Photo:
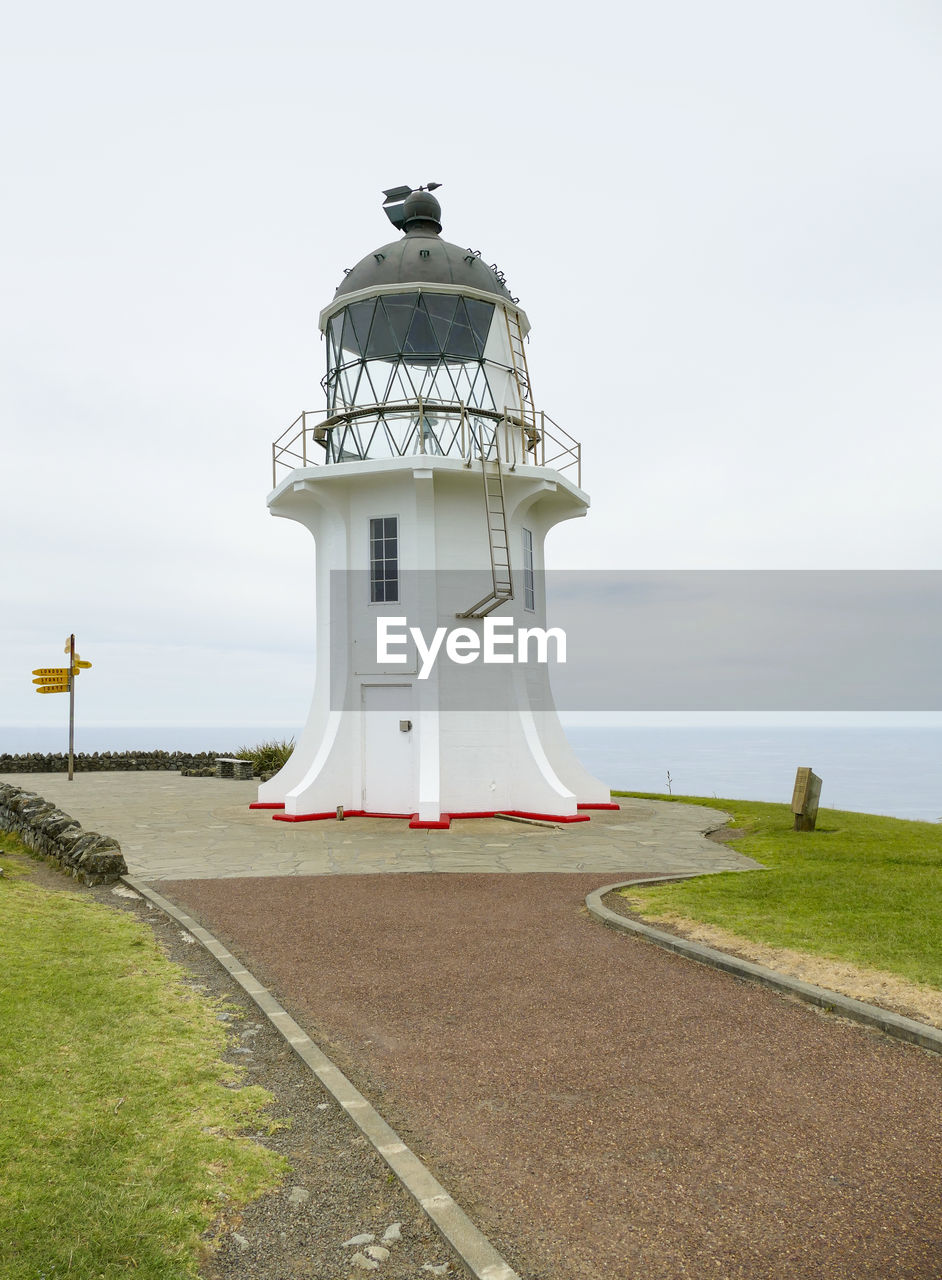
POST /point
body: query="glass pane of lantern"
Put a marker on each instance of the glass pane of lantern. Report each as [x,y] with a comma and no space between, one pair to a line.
[348,339]
[382,341]
[373,383]
[338,389]
[354,380]
[461,341]
[361,314]
[334,328]
[441,311]
[399,309]
[480,315]
[421,340]
[401,386]
[480,393]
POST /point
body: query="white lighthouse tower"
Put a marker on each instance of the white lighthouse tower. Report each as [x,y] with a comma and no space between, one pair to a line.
[429,484]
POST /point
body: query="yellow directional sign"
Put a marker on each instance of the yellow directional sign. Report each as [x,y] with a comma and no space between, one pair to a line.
[63,679]
[53,688]
[52,671]
[80,663]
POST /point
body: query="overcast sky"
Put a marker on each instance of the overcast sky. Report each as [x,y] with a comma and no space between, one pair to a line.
[722,220]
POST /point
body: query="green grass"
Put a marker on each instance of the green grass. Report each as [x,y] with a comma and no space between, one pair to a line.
[861,888]
[119,1123]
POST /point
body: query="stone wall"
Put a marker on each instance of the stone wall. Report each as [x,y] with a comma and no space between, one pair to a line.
[85,855]
[58,762]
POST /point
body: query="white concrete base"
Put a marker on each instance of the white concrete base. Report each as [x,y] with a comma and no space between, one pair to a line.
[470,738]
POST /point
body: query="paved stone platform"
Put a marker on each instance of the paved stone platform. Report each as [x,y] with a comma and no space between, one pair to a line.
[175,828]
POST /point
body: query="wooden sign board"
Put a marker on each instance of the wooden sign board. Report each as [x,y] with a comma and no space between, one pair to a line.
[805,799]
[53,688]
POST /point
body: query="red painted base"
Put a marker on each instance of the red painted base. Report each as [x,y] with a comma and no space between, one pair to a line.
[322,817]
[443,823]
[302,817]
[319,817]
[547,817]
[261,804]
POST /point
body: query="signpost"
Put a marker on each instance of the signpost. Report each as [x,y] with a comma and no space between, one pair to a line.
[62,680]
[70,650]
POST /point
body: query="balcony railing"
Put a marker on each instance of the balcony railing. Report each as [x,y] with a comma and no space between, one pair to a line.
[408,428]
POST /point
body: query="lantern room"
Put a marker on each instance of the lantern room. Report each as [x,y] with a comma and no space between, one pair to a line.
[421,323]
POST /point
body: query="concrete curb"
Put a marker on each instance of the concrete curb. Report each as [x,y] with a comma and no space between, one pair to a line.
[892,1024]
[472,1246]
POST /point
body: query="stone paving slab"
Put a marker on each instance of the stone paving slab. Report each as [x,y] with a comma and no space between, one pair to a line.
[174,828]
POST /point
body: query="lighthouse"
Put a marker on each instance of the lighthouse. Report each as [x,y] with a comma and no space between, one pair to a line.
[429,482]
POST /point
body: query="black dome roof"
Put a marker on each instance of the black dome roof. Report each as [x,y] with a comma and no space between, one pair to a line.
[422,257]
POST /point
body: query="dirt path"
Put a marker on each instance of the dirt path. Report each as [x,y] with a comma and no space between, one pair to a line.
[602,1108]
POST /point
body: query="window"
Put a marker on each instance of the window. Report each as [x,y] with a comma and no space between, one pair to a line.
[404,345]
[529,597]
[384,559]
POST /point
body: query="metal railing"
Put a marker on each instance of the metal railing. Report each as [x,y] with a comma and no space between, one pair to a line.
[409,427]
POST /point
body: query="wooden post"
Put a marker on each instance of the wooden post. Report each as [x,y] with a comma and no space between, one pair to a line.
[805,799]
[71,702]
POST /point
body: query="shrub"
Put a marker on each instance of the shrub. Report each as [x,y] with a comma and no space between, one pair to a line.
[267,757]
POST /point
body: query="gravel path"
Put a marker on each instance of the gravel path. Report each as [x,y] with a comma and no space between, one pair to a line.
[601,1108]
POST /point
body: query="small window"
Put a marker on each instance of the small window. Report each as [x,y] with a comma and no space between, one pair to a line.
[384,559]
[529,598]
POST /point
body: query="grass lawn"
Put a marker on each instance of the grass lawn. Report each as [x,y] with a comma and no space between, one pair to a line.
[119,1123]
[861,888]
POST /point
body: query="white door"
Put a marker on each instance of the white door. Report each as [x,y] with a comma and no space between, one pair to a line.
[388,752]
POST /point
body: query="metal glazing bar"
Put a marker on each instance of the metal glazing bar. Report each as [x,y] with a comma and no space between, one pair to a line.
[473,434]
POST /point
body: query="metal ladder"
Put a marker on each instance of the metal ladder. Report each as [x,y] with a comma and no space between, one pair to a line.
[518,360]
[497,539]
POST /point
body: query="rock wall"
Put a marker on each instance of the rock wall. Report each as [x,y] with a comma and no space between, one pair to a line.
[58,762]
[85,855]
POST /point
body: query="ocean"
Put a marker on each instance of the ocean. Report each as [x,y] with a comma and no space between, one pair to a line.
[894,771]
[889,770]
